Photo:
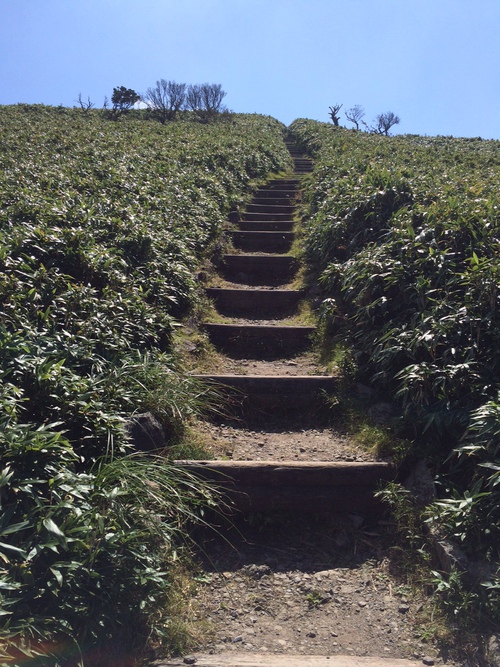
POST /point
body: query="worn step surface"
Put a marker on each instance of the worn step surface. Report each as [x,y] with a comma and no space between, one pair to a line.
[266,197]
[282,184]
[272,392]
[252,341]
[234,659]
[261,216]
[262,241]
[270,207]
[259,269]
[255,303]
[266,226]
[271,486]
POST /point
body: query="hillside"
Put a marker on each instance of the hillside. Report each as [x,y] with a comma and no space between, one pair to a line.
[104,227]
[109,228]
[402,236]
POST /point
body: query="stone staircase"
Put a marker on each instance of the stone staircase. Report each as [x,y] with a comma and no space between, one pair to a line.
[259,290]
[259,274]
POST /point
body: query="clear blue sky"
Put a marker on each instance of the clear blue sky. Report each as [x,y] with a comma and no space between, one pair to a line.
[436,63]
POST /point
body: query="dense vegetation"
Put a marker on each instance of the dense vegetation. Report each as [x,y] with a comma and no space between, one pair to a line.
[103,227]
[404,238]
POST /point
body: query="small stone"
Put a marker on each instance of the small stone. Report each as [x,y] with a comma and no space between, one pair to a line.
[237,639]
[428,661]
[312,635]
[189,660]
[362,603]
[403,608]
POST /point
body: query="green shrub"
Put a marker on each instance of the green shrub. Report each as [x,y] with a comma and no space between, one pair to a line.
[403,238]
[103,227]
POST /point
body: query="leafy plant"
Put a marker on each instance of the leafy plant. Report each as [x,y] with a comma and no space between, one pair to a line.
[103,227]
[123,99]
[402,237]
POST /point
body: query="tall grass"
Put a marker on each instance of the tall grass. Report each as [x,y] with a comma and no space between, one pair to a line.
[403,238]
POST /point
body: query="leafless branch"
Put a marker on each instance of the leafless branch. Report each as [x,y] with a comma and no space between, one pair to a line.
[334,114]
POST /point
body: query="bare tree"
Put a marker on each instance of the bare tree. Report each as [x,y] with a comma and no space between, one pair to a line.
[212,95]
[334,114]
[165,99]
[205,100]
[355,115]
[194,97]
[85,105]
[384,122]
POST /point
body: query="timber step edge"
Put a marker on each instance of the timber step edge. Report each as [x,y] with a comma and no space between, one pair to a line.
[259,216]
[256,340]
[292,486]
[265,225]
[270,207]
[259,269]
[232,659]
[273,198]
[248,393]
[256,302]
[262,240]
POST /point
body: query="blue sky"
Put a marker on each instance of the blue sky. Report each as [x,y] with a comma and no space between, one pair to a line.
[435,63]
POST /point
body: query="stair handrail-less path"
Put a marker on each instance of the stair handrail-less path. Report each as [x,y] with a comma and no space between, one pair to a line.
[259,277]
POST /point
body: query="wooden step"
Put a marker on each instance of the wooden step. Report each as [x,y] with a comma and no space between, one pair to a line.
[267,226]
[293,486]
[233,659]
[262,216]
[262,241]
[246,394]
[257,303]
[282,184]
[260,269]
[270,207]
[254,341]
[283,198]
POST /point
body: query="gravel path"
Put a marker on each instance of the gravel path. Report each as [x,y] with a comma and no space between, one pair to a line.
[310,584]
[319,586]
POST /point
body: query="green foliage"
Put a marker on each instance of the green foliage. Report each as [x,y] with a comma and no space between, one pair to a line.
[86,555]
[123,99]
[403,238]
[103,227]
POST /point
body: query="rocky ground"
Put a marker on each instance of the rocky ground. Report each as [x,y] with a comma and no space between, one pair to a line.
[311,585]
[314,584]
[309,444]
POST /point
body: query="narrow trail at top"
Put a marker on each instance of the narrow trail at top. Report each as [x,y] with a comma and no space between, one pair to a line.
[310,582]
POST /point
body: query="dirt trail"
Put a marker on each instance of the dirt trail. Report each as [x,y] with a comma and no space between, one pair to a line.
[315,584]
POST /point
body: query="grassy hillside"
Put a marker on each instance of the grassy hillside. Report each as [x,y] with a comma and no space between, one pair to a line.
[103,228]
[403,236]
